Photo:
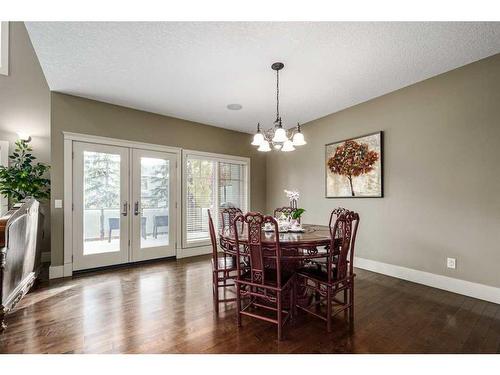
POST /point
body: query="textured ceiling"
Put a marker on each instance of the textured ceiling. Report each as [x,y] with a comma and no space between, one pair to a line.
[193,70]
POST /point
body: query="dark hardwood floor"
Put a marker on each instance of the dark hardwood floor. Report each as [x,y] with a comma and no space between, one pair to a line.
[166,307]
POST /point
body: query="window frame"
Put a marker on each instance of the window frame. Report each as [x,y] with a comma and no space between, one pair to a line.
[219,158]
[4,48]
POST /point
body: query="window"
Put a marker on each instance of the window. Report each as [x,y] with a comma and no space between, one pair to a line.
[4,48]
[211,182]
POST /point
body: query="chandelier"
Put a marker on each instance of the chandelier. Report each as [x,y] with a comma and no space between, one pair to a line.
[278,137]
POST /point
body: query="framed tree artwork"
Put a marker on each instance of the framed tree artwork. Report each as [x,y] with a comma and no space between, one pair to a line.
[354,167]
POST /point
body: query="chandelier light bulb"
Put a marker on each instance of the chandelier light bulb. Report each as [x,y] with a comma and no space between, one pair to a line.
[287,146]
[280,135]
[258,138]
[298,139]
[264,147]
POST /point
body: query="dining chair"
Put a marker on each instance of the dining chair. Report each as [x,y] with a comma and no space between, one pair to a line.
[284,210]
[335,215]
[227,216]
[223,269]
[261,286]
[321,262]
[336,275]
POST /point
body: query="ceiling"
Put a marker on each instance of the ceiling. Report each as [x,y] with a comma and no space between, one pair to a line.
[193,70]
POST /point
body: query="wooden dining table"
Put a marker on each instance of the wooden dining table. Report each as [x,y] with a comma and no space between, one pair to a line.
[312,243]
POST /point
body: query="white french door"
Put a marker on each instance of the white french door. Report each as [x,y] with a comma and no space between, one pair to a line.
[124,205]
[101,208]
[153,196]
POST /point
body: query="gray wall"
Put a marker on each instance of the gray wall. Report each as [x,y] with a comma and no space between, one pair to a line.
[442,174]
[25,102]
[75,114]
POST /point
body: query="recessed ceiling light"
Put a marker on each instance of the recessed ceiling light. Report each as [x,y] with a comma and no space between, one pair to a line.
[234,107]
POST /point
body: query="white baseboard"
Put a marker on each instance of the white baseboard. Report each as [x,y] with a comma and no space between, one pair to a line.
[193,251]
[46,256]
[467,288]
[68,269]
[56,272]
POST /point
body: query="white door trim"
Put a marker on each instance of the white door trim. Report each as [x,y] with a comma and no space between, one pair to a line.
[4,161]
[69,137]
[4,45]
[119,142]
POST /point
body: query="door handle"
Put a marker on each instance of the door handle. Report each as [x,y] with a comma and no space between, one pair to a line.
[124,212]
[136,208]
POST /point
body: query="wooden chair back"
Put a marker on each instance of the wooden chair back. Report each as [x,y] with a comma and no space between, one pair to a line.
[335,214]
[252,223]
[213,238]
[343,237]
[227,216]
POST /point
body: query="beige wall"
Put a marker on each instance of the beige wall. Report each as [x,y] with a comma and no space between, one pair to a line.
[25,102]
[74,114]
[442,174]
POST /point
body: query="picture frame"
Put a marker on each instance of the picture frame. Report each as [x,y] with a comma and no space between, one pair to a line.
[362,179]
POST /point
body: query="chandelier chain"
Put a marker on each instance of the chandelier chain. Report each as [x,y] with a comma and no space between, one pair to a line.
[277,95]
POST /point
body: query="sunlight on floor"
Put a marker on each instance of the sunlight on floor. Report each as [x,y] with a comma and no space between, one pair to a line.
[106,246]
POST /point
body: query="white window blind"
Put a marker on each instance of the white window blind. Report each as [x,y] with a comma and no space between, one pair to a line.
[211,183]
[200,197]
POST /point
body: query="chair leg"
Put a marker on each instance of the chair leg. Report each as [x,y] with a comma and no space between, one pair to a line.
[216,292]
[329,309]
[317,298]
[280,317]
[346,302]
[351,302]
[238,304]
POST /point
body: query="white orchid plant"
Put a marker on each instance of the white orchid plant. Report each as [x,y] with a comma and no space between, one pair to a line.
[293,197]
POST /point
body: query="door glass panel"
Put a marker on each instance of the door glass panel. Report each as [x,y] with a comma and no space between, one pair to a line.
[101,202]
[155,184]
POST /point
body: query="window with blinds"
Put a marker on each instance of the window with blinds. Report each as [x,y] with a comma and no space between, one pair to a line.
[211,183]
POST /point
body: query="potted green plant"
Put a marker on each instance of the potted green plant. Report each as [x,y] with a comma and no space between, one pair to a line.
[23,177]
[297,213]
